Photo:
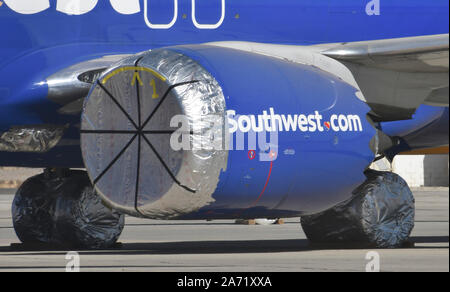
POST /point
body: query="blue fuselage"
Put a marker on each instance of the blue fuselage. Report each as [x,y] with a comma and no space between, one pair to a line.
[35,46]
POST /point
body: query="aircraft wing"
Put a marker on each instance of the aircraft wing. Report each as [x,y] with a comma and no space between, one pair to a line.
[395,76]
[398,75]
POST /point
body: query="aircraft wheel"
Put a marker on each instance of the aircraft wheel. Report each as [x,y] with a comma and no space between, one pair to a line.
[381,214]
[62,208]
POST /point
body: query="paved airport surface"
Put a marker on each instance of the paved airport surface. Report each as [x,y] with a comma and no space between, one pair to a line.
[182,246]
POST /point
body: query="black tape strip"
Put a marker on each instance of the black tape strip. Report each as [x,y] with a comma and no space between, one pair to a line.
[163,99]
[118,104]
[115,160]
[108,132]
[166,167]
[140,134]
[138,171]
[151,132]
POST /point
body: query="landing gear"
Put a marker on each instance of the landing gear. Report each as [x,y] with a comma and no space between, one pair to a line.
[61,208]
[381,214]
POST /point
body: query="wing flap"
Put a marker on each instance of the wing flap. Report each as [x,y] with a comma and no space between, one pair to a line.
[420,53]
[397,76]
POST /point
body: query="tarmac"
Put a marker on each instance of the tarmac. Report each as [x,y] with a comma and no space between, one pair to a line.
[222,246]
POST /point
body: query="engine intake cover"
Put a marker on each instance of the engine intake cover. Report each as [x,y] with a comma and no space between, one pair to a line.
[126,135]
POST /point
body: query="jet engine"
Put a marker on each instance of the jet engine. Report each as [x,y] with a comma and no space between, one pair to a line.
[196,132]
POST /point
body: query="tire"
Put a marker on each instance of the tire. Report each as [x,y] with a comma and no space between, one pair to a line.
[64,210]
[381,214]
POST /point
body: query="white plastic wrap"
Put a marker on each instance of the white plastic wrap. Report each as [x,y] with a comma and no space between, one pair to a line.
[31,139]
[128,122]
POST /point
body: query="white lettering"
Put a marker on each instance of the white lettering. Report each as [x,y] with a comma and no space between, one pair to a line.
[373,8]
[75,7]
[276,120]
[266,119]
[312,123]
[257,126]
[290,123]
[233,124]
[74,262]
[354,123]
[333,123]
[27,6]
[126,6]
[180,139]
[211,132]
[374,262]
[319,121]
[343,123]
[303,123]
[245,124]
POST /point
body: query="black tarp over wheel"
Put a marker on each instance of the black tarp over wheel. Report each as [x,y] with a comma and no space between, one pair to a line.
[381,214]
[62,208]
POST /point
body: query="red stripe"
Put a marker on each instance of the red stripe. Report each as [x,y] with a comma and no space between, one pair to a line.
[265,186]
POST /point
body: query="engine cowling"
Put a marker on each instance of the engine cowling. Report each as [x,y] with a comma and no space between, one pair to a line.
[208,132]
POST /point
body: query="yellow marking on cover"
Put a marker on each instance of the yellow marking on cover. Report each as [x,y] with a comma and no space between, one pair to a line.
[137,77]
[131,68]
[155,94]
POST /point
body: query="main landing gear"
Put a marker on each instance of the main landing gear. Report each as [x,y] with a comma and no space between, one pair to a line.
[381,214]
[60,207]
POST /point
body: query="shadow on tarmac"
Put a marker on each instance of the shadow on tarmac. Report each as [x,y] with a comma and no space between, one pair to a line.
[210,247]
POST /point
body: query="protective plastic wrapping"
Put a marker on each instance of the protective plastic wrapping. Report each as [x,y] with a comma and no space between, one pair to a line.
[132,118]
[31,139]
[381,214]
[63,209]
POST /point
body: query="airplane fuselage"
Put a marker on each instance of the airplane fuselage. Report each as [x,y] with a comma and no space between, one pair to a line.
[40,38]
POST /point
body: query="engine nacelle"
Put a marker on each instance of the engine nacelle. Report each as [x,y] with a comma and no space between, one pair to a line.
[200,132]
